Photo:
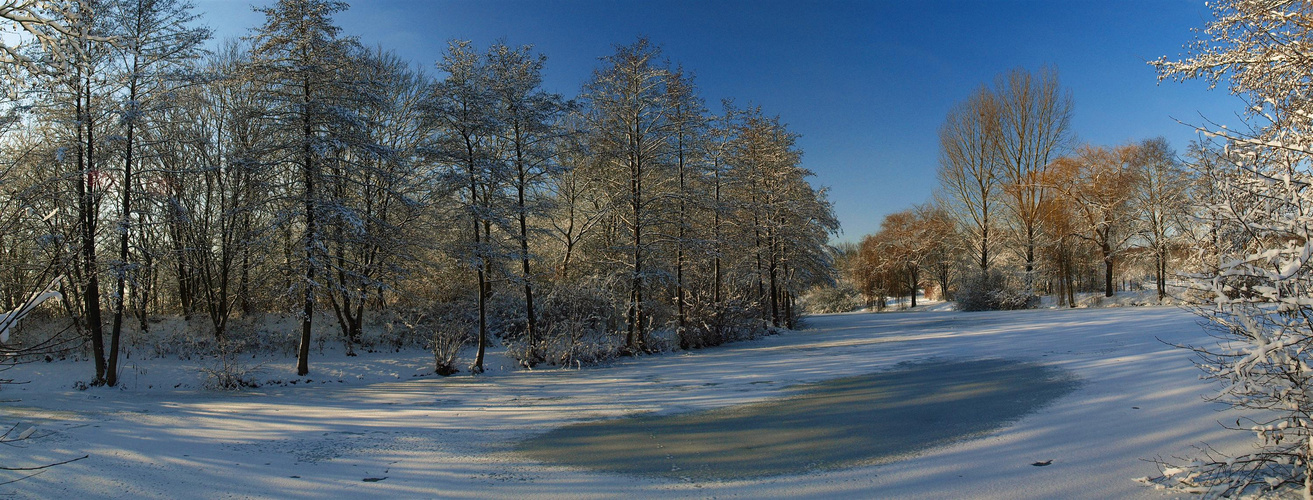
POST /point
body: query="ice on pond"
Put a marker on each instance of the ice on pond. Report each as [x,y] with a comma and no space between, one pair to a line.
[873,418]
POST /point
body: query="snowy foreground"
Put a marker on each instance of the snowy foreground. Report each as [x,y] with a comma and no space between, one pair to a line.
[390,433]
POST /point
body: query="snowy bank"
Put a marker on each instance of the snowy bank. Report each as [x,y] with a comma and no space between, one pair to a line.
[455,437]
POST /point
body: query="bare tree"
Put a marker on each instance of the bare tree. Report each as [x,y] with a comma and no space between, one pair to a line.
[782,220]
[630,121]
[376,190]
[1062,225]
[970,173]
[1101,183]
[577,203]
[527,119]
[74,68]
[688,123]
[940,243]
[902,250]
[161,40]
[304,59]
[461,108]
[208,171]
[1161,201]
[1034,118]
[720,140]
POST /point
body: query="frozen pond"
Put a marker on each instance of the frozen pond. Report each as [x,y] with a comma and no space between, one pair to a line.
[844,422]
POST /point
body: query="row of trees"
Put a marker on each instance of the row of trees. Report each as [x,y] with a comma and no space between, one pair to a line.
[296,170]
[1021,212]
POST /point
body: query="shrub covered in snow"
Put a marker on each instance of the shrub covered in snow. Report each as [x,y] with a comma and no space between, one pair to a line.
[737,320]
[991,291]
[577,326]
[842,297]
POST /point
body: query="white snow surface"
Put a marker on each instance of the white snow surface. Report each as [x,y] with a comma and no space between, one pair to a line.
[427,436]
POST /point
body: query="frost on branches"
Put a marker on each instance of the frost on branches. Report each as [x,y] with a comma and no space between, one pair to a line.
[1258,211]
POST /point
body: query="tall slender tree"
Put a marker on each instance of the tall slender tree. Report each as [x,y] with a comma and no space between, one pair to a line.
[378,191]
[73,62]
[688,133]
[528,120]
[160,39]
[304,59]
[629,116]
[461,110]
[1034,120]
[1161,203]
[969,169]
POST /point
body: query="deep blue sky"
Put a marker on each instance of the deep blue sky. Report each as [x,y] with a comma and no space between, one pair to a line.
[866,83]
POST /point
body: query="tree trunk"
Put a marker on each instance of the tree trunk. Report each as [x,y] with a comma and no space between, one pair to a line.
[984,243]
[715,292]
[479,264]
[761,283]
[311,236]
[87,214]
[144,289]
[1162,275]
[125,208]
[916,278]
[1107,274]
[774,287]
[788,310]
[636,341]
[530,315]
[1030,260]
[679,252]
[1070,273]
[531,321]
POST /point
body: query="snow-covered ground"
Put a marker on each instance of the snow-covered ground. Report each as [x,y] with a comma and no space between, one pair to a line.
[381,425]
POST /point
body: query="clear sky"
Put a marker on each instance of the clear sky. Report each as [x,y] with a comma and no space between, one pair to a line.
[866,83]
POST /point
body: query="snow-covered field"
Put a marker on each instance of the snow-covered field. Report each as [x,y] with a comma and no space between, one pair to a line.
[369,426]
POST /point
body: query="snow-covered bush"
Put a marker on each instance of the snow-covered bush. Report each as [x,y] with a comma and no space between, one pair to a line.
[396,331]
[736,320]
[842,297]
[1256,203]
[182,338]
[991,291]
[576,325]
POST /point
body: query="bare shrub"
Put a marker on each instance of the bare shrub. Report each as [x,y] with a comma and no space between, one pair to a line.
[447,328]
[397,329]
[228,373]
[449,338]
[736,319]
